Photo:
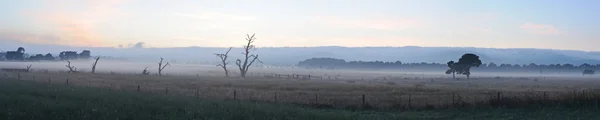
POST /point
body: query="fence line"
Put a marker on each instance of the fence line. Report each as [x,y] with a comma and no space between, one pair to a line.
[407,101]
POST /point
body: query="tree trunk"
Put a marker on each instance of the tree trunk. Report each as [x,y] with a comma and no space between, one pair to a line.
[226,72]
[94,67]
[454,75]
[243,74]
[468,76]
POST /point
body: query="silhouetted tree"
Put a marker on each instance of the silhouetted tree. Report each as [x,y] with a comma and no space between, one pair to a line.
[326,62]
[585,66]
[37,57]
[85,54]
[452,69]
[28,68]
[72,69]
[249,59]
[145,71]
[589,72]
[94,66]
[161,67]
[492,65]
[68,55]
[49,57]
[224,61]
[464,64]
[18,55]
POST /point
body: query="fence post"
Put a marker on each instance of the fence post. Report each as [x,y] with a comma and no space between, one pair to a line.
[583,95]
[498,97]
[545,96]
[67,81]
[138,88]
[275,96]
[49,79]
[234,95]
[363,101]
[453,99]
[410,101]
[316,99]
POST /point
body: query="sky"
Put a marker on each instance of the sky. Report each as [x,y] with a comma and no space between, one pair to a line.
[548,24]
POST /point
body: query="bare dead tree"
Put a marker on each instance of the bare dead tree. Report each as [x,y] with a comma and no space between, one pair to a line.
[161,67]
[249,58]
[28,68]
[72,69]
[145,72]
[224,61]
[95,63]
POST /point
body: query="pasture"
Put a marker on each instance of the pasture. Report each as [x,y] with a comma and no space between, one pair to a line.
[23,100]
[348,89]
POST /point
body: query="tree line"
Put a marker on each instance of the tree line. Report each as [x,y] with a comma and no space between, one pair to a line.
[335,63]
[20,55]
[243,64]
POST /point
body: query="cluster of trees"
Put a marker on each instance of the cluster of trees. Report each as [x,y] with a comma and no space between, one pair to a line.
[72,55]
[20,55]
[242,64]
[334,63]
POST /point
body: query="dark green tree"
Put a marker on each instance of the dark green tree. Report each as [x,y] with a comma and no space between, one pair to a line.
[464,64]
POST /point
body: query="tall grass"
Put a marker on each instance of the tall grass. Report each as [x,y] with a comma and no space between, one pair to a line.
[28,100]
[321,94]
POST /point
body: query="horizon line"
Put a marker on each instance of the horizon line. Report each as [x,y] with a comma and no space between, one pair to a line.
[116,47]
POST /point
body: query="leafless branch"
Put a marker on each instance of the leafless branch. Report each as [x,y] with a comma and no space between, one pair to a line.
[224,61]
[72,69]
[249,58]
[161,67]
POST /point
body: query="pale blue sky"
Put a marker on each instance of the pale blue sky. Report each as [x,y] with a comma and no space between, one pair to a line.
[555,24]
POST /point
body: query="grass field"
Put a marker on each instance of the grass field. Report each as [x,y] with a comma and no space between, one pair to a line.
[23,100]
[338,94]
[393,93]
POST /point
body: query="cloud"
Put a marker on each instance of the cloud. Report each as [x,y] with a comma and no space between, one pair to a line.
[539,29]
[29,38]
[378,24]
[76,26]
[136,45]
[139,45]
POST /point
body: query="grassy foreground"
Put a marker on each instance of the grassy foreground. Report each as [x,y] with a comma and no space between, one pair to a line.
[27,100]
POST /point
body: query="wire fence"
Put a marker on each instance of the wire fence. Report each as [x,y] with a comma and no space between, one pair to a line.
[346,100]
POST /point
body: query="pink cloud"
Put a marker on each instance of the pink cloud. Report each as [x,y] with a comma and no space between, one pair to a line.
[379,24]
[539,29]
[29,38]
[76,27]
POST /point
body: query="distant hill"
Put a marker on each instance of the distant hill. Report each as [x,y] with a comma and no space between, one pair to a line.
[292,55]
